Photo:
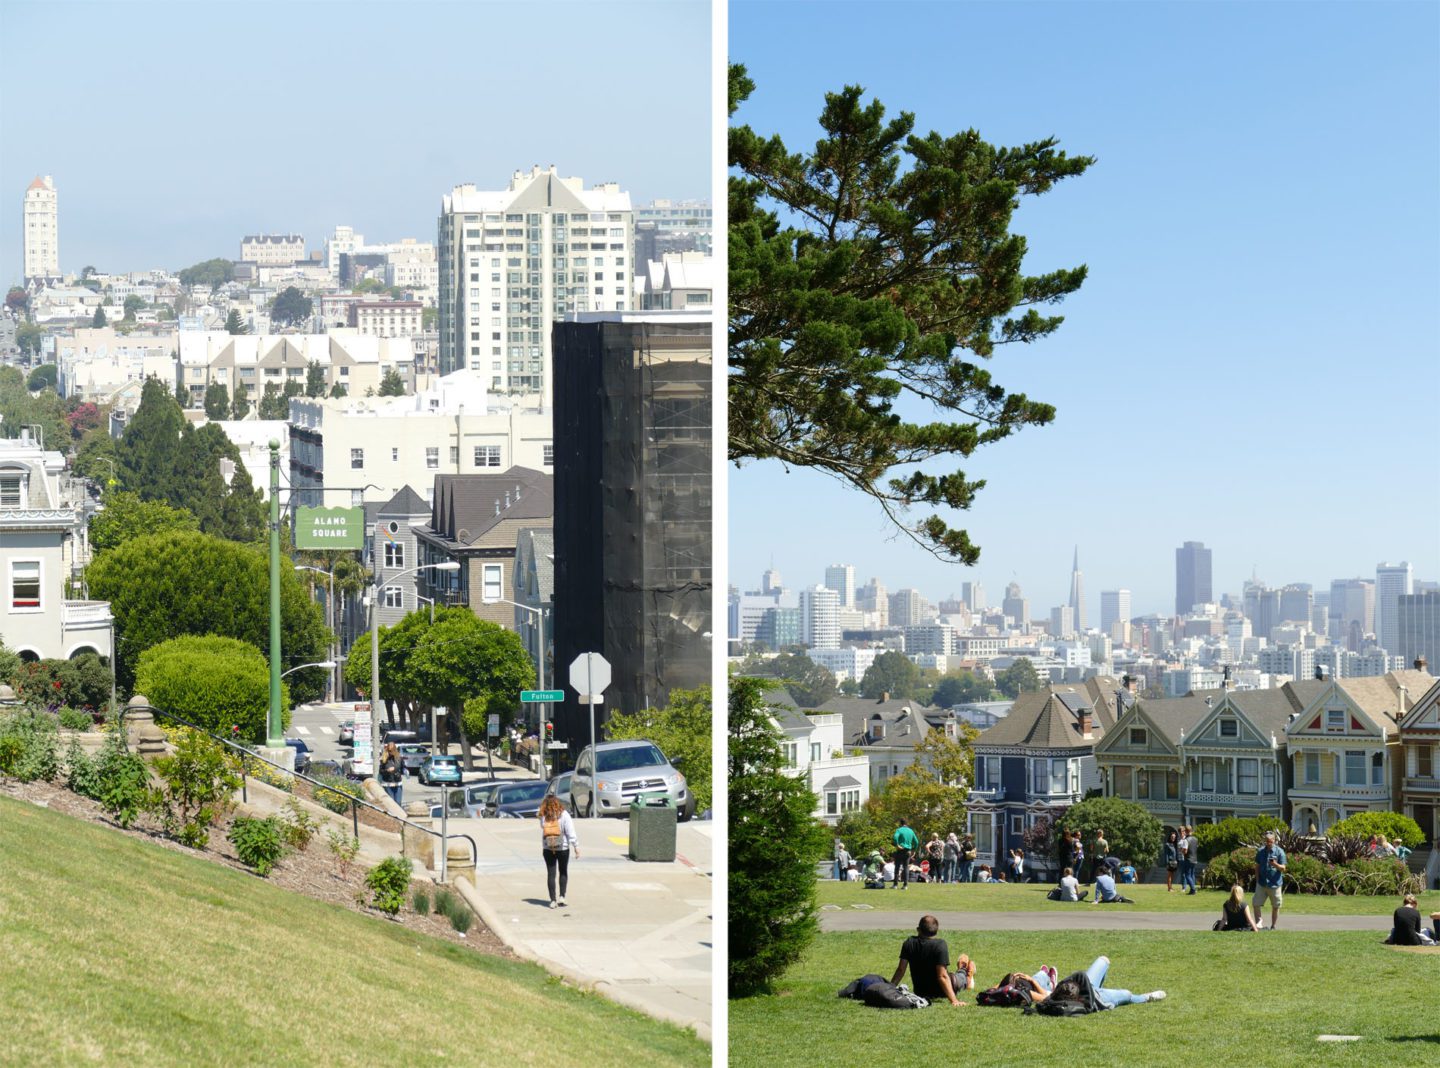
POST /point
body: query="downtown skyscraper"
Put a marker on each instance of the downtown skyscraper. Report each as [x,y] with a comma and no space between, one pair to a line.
[1077,594]
[1192,577]
[1392,581]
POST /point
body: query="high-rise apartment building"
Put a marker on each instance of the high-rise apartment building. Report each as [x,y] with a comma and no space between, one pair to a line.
[1417,624]
[770,582]
[514,261]
[1192,577]
[1392,581]
[874,599]
[41,233]
[667,226]
[1015,606]
[1062,621]
[1114,608]
[1296,602]
[841,579]
[973,594]
[1352,611]
[820,617]
[272,250]
[907,608]
[1077,594]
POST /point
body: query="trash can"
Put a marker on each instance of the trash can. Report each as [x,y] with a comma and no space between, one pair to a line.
[652,831]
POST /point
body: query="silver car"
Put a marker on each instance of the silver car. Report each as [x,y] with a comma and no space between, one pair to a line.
[609,778]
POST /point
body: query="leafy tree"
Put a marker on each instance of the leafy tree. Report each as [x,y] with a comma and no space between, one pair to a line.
[865,277]
[133,304]
[19,408]
[921,800]
[99,320]
[17,300]
[809,684]
[30,338]
[240,403]
[236,511]
[164,312]
[96,447]
[682,730]
[217,401]
[368,285]
[392,385]
[213,682]
[290,307]
[178,583]
[234,324]
[429,318]
[212,273]
[1020,677]
[314,379]
[1399,829]
[125,517]
[893,673]
[951,759]
[337,390]
[43,377]
[148,450]
[273,404]
[84,417]
[961,688]
[775,844]
[1133,833]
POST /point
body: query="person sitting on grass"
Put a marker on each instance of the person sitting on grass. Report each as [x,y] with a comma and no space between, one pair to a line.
[985,875]
[1105,892]
[1405,927]
[928,959]
[1043,986]
[1069,888]
[1235,914]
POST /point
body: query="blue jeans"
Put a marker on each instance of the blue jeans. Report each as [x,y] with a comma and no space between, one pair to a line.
[394,790]
[1187,875]
[962,868]
[1111,996]
[947,869]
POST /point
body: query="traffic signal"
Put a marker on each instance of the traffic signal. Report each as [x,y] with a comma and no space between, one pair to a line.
[549,730]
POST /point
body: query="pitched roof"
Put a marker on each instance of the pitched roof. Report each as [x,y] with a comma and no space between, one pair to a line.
[1171,715]
[406,502]
[903,719]
[1049,719]
[466,506]
[1270,710]
[534,549]
[1379,697]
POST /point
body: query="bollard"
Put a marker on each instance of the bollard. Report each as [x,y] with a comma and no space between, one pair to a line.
[419,847]
[459,862]
[141,733]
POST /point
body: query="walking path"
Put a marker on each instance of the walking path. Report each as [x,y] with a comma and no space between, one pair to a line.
[640,933]
[1082,918]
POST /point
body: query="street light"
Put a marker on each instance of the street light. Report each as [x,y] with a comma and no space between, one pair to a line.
[329,619]
[446,565]
[539,614]
[302,667]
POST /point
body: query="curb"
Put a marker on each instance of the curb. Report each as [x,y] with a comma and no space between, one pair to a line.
[604,987]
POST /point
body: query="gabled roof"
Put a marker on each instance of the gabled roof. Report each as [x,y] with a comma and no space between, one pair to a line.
[1269,711]
[1168,717]
[1424,710]
[904,720]
[406,502]
[1377,698]
[534,547]
[466,506]
[1049,719]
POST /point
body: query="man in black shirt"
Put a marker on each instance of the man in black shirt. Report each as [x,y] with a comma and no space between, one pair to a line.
[928,958]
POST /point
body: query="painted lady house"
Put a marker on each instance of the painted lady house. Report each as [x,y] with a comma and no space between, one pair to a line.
[1140,759]
[1420,743]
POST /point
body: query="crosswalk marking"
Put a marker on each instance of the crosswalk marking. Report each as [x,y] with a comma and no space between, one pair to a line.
[326,730]
[302,730]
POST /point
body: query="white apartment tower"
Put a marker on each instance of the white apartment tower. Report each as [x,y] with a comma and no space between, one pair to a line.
[820,618]
[841,579]
[515,261]
[1114,608]
[42,232]
[1391,582]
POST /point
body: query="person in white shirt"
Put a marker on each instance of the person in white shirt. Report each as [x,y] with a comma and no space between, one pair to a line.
[557,839]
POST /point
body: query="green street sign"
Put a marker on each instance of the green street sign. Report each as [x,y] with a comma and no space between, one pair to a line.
[531,697]
[330,528]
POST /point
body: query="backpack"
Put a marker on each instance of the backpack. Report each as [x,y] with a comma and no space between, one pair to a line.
[883,995]
[1073,996]
[1005,995]
[554,840]
[856,988]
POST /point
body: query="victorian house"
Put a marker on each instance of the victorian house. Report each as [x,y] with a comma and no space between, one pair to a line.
[1140,759]
[1233,758]
[1420,743]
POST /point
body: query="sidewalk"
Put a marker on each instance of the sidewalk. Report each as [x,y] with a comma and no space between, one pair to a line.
[1082,918]
[640,933]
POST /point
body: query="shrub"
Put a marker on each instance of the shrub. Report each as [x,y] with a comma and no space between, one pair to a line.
[1339,849]
[297,826]
[259,843]
[336,791]
[421,901]
[1379,876]
[72,719]
[1224,871]
[388,882]
[82,774]
[29,747]
[1400,830]
[1133,833]
[1231,834]
[343,848]
[80,683]
[459,914]
[444,901]
[123,781]
[270,776]
[212,682]
[1306,874]
[196,785]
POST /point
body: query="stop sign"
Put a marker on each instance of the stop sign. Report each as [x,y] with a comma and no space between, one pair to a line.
[589,674]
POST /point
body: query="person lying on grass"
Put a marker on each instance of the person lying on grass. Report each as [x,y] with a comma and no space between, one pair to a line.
[928,959]
[1105,892]
[1042,986]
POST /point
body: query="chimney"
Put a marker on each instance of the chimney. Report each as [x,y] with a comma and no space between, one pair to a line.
[1129,681]
[884,697]
[1084,722]
[1320,672]
[1421,664]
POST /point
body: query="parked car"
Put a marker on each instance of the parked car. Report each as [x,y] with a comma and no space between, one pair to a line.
[398,737]
[440,769]
[358,767]
[610,777]
[560,787]
[469,800]
[326,767]
[516,800]
[302,754]
[347,732]
[412,755]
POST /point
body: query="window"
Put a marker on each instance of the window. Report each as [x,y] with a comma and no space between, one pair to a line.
[792,754]
[1059,776]
[814,752]
[432,457]
[454,455]
[491,577]
[1142,784]
[25,586]
[1040,776]
[1172,785]
[394,555]
[1425,761]
[357,498]
[1229,728]
[1335,719]
[1247,775]
[10,492]
[1017,824]
[547,455]
[395,455]
[1312,768]
[394,597]
[1123,782]
[1354,767]
[1137,736]
[1377,769]
[832,803]
[1269,771]
[1207,776]
[1074,776]
[487,455]
[357,459]
[850,799]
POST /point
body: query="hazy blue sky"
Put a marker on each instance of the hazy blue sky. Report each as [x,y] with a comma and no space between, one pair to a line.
[1253,361]
[173,129]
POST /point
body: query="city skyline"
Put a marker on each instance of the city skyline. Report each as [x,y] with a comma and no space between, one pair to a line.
[277,162]
[1226,375]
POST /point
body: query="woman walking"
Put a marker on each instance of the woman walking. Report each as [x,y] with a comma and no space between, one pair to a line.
[392,773]
[557,839]
[1172,861]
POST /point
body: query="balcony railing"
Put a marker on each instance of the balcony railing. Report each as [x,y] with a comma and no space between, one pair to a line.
[83,615]
[1417,782]
[991,793]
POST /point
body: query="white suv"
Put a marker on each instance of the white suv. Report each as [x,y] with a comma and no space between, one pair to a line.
[610,778]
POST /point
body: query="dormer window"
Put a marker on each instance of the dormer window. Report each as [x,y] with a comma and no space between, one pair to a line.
[1138,736]
[877,728]
[1229,728]
[12,490]
[1335,719]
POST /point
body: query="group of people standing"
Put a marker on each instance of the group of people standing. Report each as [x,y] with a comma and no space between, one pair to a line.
[1182,852]
[940,860]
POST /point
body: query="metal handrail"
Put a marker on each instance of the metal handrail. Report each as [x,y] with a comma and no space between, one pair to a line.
[245,752]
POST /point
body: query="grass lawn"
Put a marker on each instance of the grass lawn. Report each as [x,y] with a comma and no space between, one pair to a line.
[114,950]
[1029,897]
[1253,999]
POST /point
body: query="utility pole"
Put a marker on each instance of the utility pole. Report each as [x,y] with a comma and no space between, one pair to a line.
[275,732]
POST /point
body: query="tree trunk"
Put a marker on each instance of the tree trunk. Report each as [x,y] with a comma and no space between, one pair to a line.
[465,754]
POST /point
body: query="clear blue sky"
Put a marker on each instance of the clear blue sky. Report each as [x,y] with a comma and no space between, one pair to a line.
[1253,361]
[173,129]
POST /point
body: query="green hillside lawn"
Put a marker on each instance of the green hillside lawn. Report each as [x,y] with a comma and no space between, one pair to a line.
[1243,999]
[114,950]
[1030,897]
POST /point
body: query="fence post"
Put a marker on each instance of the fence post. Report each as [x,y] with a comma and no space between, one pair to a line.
[244,783]
[355,818]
